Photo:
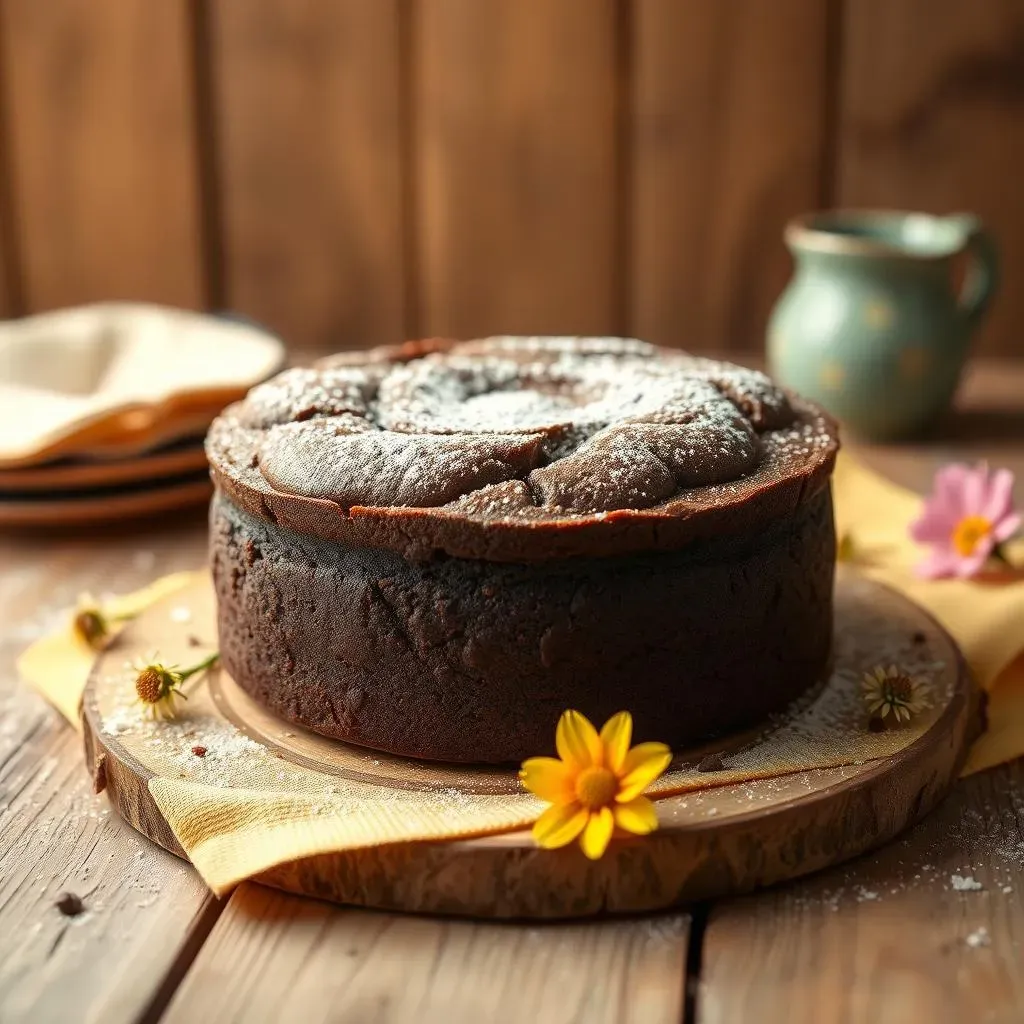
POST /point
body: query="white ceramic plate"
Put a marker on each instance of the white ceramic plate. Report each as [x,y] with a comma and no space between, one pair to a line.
[119,378]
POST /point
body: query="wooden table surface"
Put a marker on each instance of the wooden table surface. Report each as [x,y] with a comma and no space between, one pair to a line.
[886,938]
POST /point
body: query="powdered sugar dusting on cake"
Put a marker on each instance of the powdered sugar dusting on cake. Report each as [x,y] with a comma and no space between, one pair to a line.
[583,426]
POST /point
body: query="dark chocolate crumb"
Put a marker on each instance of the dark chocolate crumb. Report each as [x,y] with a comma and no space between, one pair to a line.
[194,641]
[711,763]
[876,725]
[69,904]
[199,751]
[919,637]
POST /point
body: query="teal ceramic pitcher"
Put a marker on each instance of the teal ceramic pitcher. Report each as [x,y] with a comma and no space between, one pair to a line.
[871,325]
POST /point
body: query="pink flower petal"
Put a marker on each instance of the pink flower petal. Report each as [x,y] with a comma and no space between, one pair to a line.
[999,502]
[941,562]
[975,490]
[970,566]
[1006,527]
[934,527]
[950,482]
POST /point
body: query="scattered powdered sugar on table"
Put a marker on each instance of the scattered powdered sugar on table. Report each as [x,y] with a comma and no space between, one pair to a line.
[181,613]
[978,938]
[965,883]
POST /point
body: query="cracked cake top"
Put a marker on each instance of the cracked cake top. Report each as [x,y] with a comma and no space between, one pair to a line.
[520,448]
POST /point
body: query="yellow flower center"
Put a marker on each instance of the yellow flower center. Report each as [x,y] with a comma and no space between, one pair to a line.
[596,787]
[150,686]
[898,690]
[969,532]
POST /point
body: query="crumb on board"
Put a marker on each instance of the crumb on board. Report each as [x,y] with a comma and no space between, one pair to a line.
[711,763]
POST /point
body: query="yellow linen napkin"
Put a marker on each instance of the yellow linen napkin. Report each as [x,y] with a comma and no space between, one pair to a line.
[985,615]
[58,665]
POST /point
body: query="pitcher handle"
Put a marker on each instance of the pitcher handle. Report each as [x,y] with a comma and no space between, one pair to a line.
[982,278]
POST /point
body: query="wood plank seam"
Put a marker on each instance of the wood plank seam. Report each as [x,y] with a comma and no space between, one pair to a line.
[625,58]
[207,154]
[699,914]
[831,134]
[11,290]
[192,942]
[407,143]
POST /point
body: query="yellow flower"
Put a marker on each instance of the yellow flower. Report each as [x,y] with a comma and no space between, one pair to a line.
[846,549]
[890,692]
[92,625]
[594,784]
[157,685]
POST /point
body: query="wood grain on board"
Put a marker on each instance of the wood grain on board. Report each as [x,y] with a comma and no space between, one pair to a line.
[932,108]
[308,122]
[272,956]
[514,162]
[727,143]
[144,910]
[101,145]
[889,938]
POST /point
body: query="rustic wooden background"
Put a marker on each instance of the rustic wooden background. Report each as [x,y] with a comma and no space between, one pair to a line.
[353,171]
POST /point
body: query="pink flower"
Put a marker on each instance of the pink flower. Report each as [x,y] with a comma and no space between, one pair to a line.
[970,513]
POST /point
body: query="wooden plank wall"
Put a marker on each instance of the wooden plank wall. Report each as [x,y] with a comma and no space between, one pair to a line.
[308,124]
[728,135]
[101,150]
[932,117]
[356,171]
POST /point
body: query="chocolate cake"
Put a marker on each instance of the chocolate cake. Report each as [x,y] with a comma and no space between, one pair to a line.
[435,549]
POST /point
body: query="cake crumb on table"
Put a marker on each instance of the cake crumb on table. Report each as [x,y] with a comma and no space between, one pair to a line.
[69,904]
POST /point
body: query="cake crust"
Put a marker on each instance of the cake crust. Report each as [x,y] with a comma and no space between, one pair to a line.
[564,448]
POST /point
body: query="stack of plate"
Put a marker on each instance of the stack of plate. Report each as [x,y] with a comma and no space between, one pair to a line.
[103,408]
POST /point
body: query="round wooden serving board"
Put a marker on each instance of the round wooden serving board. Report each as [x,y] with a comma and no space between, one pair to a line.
[722,840]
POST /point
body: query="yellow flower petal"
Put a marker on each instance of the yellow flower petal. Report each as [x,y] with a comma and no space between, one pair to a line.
[643,764]
[598,832]
[615,736]
[577,741]
[638,816]
[559,825]
[549,778]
